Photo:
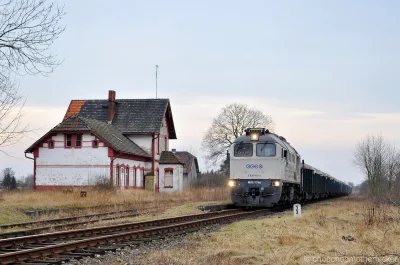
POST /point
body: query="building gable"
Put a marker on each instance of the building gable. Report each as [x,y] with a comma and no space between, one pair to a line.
[106,132]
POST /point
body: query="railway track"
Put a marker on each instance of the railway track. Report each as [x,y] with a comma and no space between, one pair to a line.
[67,223]
[52,248]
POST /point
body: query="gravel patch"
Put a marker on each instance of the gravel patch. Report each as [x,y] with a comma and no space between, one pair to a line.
[131,255]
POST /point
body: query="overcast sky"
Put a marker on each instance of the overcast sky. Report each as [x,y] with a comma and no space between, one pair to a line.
[327,71]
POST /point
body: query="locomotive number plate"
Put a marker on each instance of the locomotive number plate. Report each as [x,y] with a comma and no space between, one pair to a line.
[254,182]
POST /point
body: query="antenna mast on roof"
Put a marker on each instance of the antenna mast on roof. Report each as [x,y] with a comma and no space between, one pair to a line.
[156,78]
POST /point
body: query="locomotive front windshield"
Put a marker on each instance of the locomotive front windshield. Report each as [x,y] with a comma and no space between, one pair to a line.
[266,149]
[243,150]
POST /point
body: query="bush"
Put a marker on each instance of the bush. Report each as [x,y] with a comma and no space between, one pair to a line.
[210,179]
[103,184]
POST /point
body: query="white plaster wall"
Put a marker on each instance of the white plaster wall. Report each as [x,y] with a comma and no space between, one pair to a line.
[144,141]
[177,178]
[70,176]
[86,155]
[71,166]
[163,133]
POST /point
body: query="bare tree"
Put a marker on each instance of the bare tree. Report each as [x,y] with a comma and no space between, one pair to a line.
[28,28]
[230,124]
[376,158]
[11,128]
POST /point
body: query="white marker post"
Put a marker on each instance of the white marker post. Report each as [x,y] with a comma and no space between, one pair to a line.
[297,210]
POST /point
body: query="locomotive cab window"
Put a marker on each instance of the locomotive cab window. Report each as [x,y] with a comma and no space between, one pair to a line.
[243,150]
[265,149]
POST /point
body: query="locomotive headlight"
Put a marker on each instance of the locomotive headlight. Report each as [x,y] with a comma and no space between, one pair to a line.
[276,183]
[254,136]
[232,183]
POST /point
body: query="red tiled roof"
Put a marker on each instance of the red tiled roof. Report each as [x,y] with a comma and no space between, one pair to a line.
[74,108]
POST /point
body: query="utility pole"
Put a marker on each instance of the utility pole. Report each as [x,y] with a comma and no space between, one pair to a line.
[156,78]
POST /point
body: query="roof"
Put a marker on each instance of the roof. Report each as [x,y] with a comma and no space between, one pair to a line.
[168,157]
[132,116]
[188,159]
[106,132]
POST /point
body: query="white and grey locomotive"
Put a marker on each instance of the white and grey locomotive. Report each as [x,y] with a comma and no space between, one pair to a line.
[267,171]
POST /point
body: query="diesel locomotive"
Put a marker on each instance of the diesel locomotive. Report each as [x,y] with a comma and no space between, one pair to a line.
[267,171]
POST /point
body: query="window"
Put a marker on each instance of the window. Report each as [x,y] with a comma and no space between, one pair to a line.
[134,177]
[68,140]
[168,178]
[78,140]
[51,144]
[121,176]
[95,144]
[243,150]
[127,177]
[142,178]
[266,149]
[116,180]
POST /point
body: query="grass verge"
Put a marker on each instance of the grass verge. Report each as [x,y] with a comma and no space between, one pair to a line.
[13,204]
[334,232]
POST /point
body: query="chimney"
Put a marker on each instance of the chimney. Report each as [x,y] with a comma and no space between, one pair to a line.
[111,105]
[173,150]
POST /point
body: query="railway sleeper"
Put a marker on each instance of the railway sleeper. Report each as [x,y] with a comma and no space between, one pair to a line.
[49,261]
[79,254]
[94,251]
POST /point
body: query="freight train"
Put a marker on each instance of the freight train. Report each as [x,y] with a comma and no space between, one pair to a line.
[267,171]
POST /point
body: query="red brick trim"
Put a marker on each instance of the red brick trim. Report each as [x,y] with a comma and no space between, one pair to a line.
[36,152]
[34,170]
[72,166]
[112,171]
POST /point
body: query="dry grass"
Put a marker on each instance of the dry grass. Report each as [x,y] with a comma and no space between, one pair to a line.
[328,230]
[189,208]
[17,202]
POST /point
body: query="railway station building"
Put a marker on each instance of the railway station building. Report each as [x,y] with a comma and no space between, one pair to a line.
[123,140]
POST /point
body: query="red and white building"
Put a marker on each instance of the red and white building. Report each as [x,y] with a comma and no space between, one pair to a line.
[120,139]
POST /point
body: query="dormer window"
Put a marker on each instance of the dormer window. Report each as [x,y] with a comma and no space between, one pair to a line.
[78,140]
[72,140]
[68,140]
